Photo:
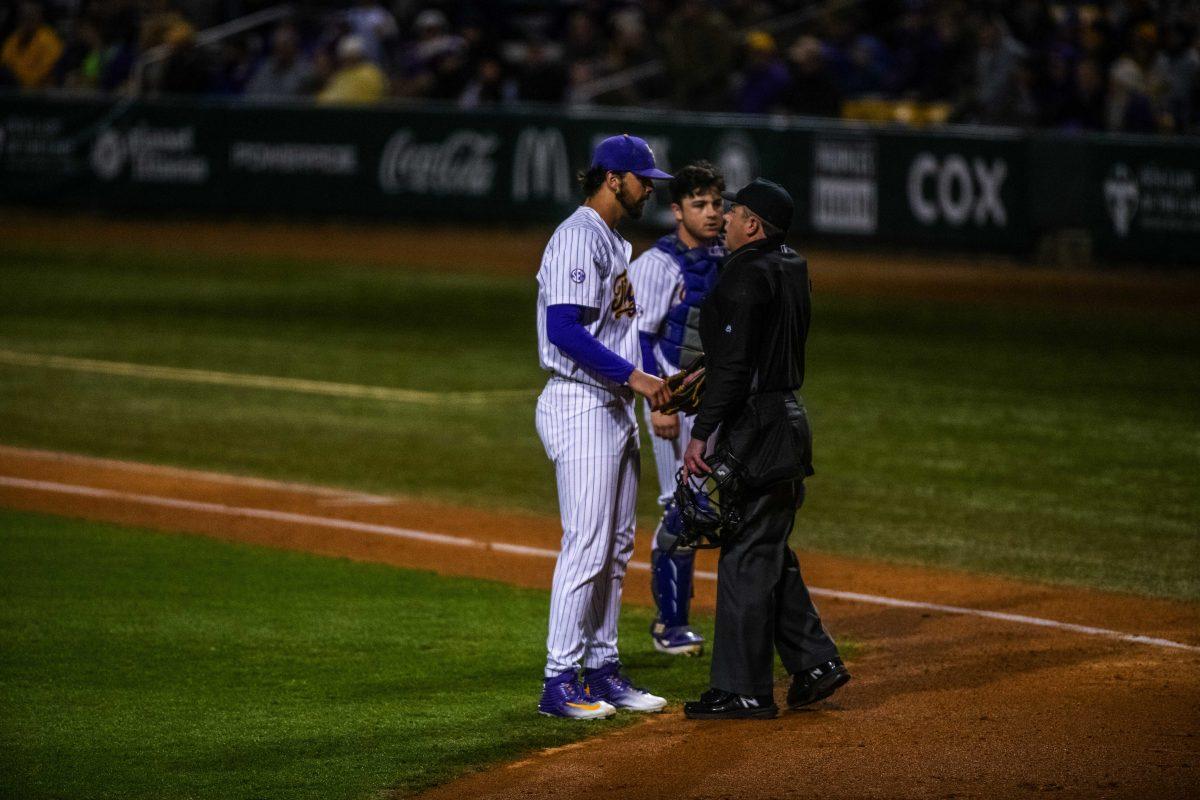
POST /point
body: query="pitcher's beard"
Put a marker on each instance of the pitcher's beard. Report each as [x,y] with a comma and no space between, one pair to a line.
[633,209]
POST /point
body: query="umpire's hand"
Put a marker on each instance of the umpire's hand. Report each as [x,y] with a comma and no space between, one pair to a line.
[693,459]
[653,389]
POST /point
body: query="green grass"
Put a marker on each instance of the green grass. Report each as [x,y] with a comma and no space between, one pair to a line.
[1054,446]
[143,665]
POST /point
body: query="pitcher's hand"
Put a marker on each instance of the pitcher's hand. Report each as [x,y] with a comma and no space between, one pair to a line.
[653,389]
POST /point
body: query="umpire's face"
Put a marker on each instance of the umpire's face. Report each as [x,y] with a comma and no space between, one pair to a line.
[737,224]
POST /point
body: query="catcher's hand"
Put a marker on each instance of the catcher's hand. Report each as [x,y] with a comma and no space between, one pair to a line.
[686,388]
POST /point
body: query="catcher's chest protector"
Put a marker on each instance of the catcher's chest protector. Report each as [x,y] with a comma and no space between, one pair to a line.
[680,341]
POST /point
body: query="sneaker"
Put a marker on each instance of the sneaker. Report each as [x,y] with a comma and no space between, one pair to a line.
[680,640]
[609,685]
[564,696]
[817,683]
[718,704]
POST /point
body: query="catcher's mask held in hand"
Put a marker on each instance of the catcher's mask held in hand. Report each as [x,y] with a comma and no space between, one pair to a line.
[709,505]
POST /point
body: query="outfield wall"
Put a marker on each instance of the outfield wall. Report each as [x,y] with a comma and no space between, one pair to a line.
[988,190]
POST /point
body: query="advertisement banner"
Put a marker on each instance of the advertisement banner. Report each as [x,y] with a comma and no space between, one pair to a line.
[1144,200]
[959,191]
[997,191]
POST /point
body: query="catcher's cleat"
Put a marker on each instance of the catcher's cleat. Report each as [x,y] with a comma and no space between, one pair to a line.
[564,696]
[718,704]
[817,683]
[680,640]
[607,684]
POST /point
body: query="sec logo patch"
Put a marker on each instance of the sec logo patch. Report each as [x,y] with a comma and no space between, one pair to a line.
[577,275]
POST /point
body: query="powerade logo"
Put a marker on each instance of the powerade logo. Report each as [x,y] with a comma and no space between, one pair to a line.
[956,191]
[462,164]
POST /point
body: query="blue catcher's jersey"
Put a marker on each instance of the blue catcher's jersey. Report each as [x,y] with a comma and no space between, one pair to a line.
[679,340]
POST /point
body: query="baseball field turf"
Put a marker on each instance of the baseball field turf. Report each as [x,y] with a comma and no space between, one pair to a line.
[1025,441]
[147,665]
[1058,446]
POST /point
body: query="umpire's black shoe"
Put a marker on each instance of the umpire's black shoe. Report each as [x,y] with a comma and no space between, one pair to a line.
[718,704]
[817,683]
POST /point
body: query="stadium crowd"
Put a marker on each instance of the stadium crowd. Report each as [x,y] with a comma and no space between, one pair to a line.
[1117,65]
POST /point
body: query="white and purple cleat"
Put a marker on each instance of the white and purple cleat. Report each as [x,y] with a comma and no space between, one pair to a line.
[608,685]
[564,696]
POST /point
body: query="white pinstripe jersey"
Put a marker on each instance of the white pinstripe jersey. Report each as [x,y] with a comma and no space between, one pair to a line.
[658,286]
[586,263]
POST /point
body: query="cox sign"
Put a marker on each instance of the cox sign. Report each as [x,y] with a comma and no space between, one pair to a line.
[956,191]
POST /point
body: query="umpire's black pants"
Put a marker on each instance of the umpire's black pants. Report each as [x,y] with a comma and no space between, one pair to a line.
[762,602]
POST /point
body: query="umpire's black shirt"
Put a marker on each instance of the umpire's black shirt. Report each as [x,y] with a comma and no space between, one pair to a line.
[753,326]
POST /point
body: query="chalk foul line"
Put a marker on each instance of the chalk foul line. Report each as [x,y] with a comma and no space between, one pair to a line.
[541,552]
[245,380]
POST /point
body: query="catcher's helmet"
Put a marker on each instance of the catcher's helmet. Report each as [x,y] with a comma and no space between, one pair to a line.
[709,505]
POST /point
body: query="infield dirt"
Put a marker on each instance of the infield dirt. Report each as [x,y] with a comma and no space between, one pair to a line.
[941,705]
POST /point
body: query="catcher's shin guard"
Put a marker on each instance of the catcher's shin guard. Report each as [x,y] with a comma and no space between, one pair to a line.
[671,583]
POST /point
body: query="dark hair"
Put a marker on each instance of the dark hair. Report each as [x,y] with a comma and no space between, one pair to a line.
[698,177]
[592,179]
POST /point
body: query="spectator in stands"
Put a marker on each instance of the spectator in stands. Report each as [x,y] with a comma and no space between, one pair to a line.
[584,40]
[1179,67]
[947,62]
[764,82]
[285,72]
[31,50]
[579,74]
[699,56]
[357,79]
[1129,108]
[813,91]
[421,58]
[629,47]
[376,26]
[1056,90]
[543,79]
[998,86]
[489,86]
[82,61]
[233,68]
[118,24]
[1085,107]
[868,66]
[187,69]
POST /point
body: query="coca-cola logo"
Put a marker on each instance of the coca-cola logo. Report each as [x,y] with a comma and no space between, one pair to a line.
[462,164]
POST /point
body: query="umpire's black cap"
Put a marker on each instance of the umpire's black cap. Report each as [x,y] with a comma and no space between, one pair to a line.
[767,199]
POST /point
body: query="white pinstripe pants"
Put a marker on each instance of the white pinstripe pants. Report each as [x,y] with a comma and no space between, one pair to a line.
[668,453]
[591,436]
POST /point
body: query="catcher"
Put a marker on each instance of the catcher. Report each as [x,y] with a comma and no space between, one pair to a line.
[670,281]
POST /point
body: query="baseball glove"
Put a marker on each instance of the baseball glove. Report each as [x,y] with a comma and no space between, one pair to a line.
[687,387]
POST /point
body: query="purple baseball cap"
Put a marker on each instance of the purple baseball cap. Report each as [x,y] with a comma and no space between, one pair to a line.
[627,153]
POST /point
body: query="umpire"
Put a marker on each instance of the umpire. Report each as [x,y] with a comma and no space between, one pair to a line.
[753,327]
